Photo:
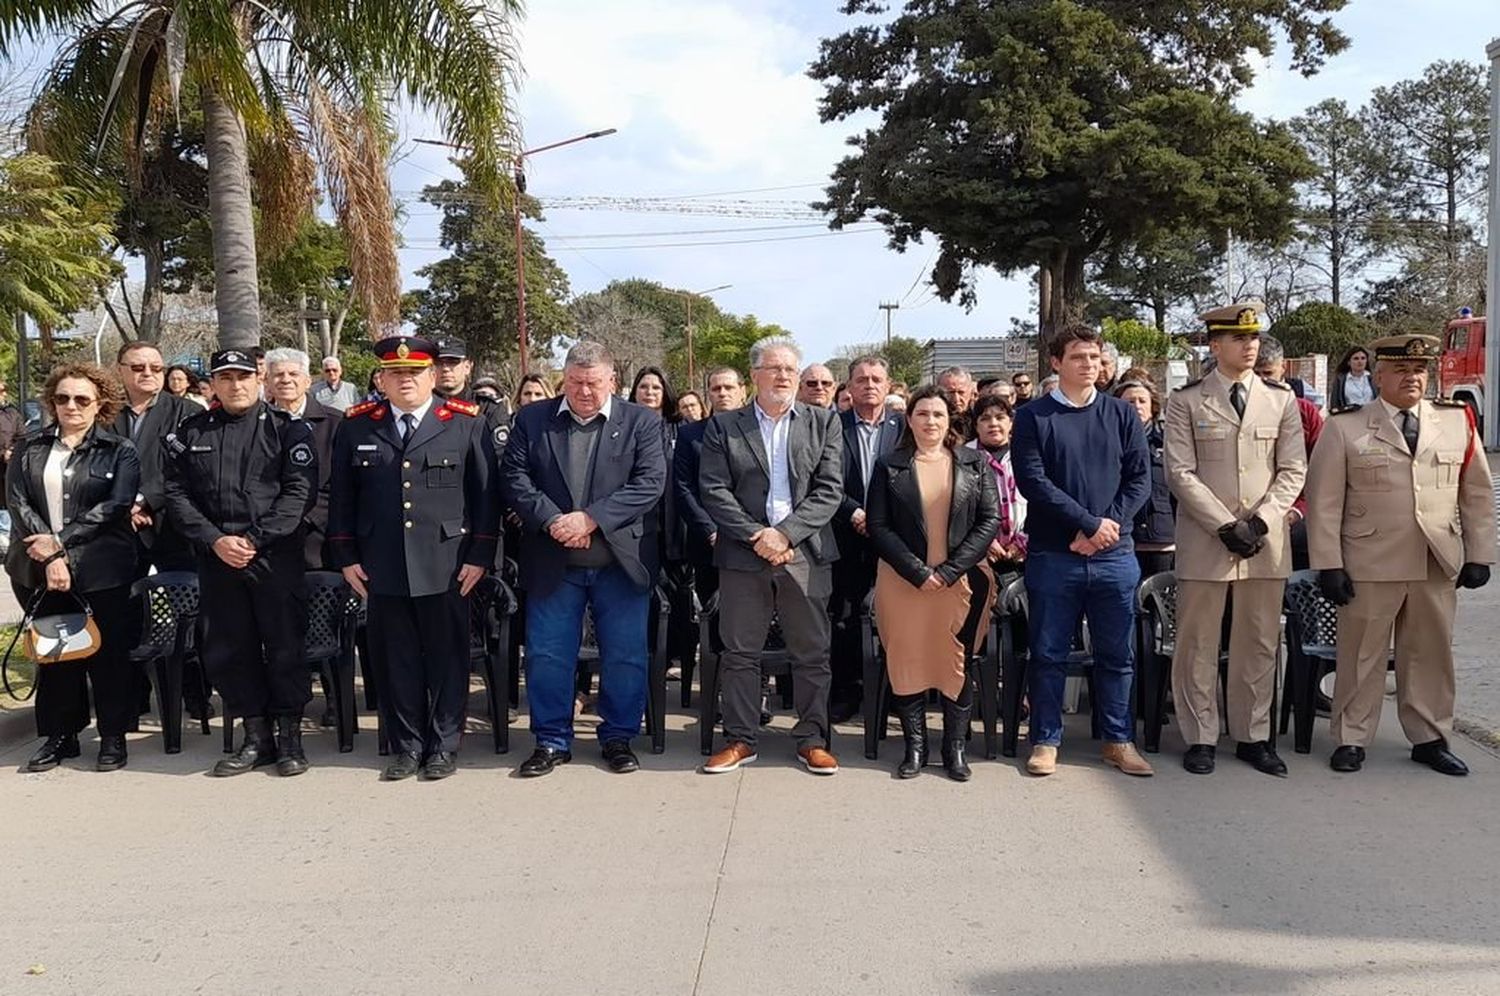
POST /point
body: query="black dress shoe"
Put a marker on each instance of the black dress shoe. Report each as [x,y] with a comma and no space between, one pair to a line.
[406,764]
[329,719]
[542,761]
[53,751]
[1261,756]
[1347,758]
[1199,759]
[620,758]
[1436,755]
[440,764]
[112,755]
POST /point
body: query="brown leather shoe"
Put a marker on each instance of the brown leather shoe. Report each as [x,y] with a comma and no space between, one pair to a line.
[1127,759]
[818,761]
[732,756]
[1043,760]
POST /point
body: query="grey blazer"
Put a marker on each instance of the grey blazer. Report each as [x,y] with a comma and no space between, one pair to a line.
[734,482]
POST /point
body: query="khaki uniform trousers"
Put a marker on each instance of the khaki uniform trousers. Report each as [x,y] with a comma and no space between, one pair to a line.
[1422,613]
[1254,634]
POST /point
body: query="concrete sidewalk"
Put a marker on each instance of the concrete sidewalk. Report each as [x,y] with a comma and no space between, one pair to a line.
[159,879]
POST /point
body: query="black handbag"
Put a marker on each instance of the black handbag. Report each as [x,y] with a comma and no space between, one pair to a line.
[51,639]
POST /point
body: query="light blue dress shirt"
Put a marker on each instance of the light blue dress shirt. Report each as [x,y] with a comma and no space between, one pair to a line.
[776,434]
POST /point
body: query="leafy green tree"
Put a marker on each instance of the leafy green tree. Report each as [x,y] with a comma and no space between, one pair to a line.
[53,243]
[903,353]
[1153,276]
[633,334]
[279,81]
[1435,135]
[726,342]
[1043,133]
[471,293]
[311,276]
[672,307]
[1141,341]
[1320,327]
[1345,206]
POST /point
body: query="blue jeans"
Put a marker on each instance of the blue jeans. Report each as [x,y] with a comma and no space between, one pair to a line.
[554,630]
[1061,588]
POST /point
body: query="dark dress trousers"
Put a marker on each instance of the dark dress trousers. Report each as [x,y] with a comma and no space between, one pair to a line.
[411,513]
[100,482]
[733,485]
[854,571]
[253,475]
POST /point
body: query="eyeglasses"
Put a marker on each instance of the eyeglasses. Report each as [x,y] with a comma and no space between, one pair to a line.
[141,368]
[1022,383]
[817,383]
[81,400]
[330,370]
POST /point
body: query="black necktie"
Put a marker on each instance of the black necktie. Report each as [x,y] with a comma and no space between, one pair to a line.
[408,426]
[1409,429]
[1237,398]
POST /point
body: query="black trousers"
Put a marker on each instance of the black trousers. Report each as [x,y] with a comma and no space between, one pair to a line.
[420,651]
[853,578]
[62,690]
[254,621]
[796,596]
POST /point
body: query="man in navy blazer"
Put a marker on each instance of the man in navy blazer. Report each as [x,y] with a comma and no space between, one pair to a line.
[869,434]
[584,474]
[726,392]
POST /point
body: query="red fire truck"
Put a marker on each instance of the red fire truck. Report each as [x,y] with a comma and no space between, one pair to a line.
[1461,370]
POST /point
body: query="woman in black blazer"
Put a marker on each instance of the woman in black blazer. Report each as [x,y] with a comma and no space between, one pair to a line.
[69,489]
[932,511]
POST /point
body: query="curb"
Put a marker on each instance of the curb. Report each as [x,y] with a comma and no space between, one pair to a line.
[16,725]
[1482,734]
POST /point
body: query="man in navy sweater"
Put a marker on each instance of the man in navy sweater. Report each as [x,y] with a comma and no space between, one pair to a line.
[1082,462]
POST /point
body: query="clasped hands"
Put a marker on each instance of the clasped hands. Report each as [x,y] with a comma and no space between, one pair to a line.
[236,551]
[573,529]
[1106,536]
[772,546]
[1244,537]
[42,547]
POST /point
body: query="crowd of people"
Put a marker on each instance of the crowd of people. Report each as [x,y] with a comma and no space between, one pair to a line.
[801,507]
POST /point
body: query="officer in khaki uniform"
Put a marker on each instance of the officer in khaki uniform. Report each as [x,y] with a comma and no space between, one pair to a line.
[1400,512]
[1236,462]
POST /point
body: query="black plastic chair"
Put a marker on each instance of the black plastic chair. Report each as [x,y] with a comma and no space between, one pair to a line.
[1312,626]
[1012,611]
[492,604]
[1156,639]
[328,649]
[169,606]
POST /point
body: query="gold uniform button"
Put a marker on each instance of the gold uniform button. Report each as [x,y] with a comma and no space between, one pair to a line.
[406,484]
[408,523]
[406,504]
[406,463]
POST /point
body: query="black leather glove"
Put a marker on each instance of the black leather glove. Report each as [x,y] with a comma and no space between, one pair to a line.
[1241,538]
[1337,586]
[1473,576]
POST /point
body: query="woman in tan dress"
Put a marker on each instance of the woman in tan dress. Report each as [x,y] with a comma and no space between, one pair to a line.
[932,511]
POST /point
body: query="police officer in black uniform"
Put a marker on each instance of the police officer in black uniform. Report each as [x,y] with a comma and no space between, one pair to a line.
[412,523]
[240,477]
[453,369]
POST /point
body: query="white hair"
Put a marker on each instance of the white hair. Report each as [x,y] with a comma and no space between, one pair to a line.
[770,342]
[1110,352]
[286,354]
[333,359]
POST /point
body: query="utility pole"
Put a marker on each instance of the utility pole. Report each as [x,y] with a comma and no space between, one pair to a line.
[888,308]
[1492,292]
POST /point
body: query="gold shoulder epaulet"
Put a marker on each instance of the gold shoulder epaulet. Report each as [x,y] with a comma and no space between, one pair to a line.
[462,407]
[1279,385]
[1450,403]
[1345,410]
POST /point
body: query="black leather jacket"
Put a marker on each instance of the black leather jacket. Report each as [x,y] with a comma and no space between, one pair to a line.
[99,485]
[894,520]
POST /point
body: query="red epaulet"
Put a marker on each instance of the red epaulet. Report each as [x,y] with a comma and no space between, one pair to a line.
[354,411]
[214,405]
[462,407]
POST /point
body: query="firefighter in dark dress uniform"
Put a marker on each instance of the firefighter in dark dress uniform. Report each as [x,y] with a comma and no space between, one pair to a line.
[240,477]
[413,520]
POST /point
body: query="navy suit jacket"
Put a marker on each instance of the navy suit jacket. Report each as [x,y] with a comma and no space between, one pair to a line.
[855,549]
[629,477]
[700,526]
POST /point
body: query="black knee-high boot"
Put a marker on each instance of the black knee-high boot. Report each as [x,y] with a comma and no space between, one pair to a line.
[955,736]
[912,711]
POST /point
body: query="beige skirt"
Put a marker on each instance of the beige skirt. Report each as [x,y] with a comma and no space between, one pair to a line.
[920,629]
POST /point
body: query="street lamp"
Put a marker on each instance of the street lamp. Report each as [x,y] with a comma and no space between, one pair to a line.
[689,296]
[523,342]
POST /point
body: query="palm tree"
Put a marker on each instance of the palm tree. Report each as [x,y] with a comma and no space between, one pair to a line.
[286,87]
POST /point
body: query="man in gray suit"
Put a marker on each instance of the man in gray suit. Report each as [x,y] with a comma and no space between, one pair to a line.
[771,478]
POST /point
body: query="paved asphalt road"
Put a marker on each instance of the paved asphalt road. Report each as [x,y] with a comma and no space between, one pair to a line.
[159,879]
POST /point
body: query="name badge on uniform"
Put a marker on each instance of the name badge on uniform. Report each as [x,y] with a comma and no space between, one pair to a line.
[200,449]
[367,446]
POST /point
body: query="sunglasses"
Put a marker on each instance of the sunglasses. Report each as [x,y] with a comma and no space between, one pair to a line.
[817,383]
[141,368]
[81,400]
